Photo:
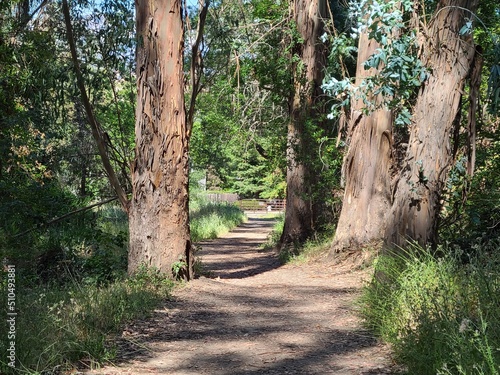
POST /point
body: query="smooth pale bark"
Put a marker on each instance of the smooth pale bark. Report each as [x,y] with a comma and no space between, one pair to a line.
[366,167]
[159,226]
[299,216]
[449,57]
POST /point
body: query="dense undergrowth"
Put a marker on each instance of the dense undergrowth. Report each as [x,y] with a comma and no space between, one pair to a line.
[440,313]
[59,326]
[440,309]
[72,293]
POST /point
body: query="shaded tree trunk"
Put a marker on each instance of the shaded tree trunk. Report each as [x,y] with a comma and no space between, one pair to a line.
[366,166]
[308,75]
[423,175]
[159,227]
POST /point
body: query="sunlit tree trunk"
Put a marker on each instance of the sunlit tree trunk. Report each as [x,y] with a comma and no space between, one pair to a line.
[159,228]
[418,193]
[366,166]
[308,75]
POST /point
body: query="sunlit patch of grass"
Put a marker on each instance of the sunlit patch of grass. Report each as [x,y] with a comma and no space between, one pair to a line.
[315,247]
[309,251]
[211,220]
[274,236]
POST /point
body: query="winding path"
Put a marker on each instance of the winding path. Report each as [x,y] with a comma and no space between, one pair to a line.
[255,316]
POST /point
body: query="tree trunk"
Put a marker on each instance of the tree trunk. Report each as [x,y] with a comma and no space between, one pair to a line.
[159,226]
[366,166]
[449,57]
[308,75]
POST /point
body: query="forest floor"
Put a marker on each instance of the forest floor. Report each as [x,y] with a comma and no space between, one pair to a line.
[253,315]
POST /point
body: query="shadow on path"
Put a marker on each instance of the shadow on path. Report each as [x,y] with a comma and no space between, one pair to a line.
[247,331]
[238,254]
[254,317]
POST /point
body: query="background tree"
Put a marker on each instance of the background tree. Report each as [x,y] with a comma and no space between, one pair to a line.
[309,60]
[239,107]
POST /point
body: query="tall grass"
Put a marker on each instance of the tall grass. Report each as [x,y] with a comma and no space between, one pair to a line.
[441,314]
[69,313]
[210,220]
[57,327]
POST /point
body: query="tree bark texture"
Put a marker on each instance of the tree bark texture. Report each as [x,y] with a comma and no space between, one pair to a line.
[308,75]
[449,58]
[159,225]
[366,166]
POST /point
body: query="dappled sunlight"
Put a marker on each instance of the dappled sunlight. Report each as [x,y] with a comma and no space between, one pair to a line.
[253,315]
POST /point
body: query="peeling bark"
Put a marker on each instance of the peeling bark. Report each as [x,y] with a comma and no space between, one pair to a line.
[366,167]
[159,226]
[449,58]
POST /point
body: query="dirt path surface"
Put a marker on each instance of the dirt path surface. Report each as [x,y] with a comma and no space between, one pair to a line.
[255,316]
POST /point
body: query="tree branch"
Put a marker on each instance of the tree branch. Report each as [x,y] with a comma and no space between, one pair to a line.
[29,17]
[196,64]
[65,216]
[101,144]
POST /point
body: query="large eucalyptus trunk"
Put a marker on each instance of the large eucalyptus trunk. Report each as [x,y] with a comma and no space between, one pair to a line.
[159,226]
[449,57]
[308,75]
[366,166]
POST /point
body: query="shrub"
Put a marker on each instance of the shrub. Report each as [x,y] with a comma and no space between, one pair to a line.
[441,315]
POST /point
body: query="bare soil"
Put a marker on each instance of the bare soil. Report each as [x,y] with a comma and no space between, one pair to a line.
[253,315]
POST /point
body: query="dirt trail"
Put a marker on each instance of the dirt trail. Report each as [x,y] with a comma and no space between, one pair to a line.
[255,316]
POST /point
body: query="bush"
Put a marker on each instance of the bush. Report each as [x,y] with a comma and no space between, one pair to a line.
[90,246]
[441,315]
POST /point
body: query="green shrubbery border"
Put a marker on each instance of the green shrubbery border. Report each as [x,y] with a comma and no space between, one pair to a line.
[440,313]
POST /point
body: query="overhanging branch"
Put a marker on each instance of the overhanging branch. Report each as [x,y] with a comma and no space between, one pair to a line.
[96,133]
[196,63]
[65,216]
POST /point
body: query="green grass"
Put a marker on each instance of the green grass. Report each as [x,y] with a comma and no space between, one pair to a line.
[71,315]
[310,250]
[303,253]
[274,236]
[441,314]
[57,327]
[210,220]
